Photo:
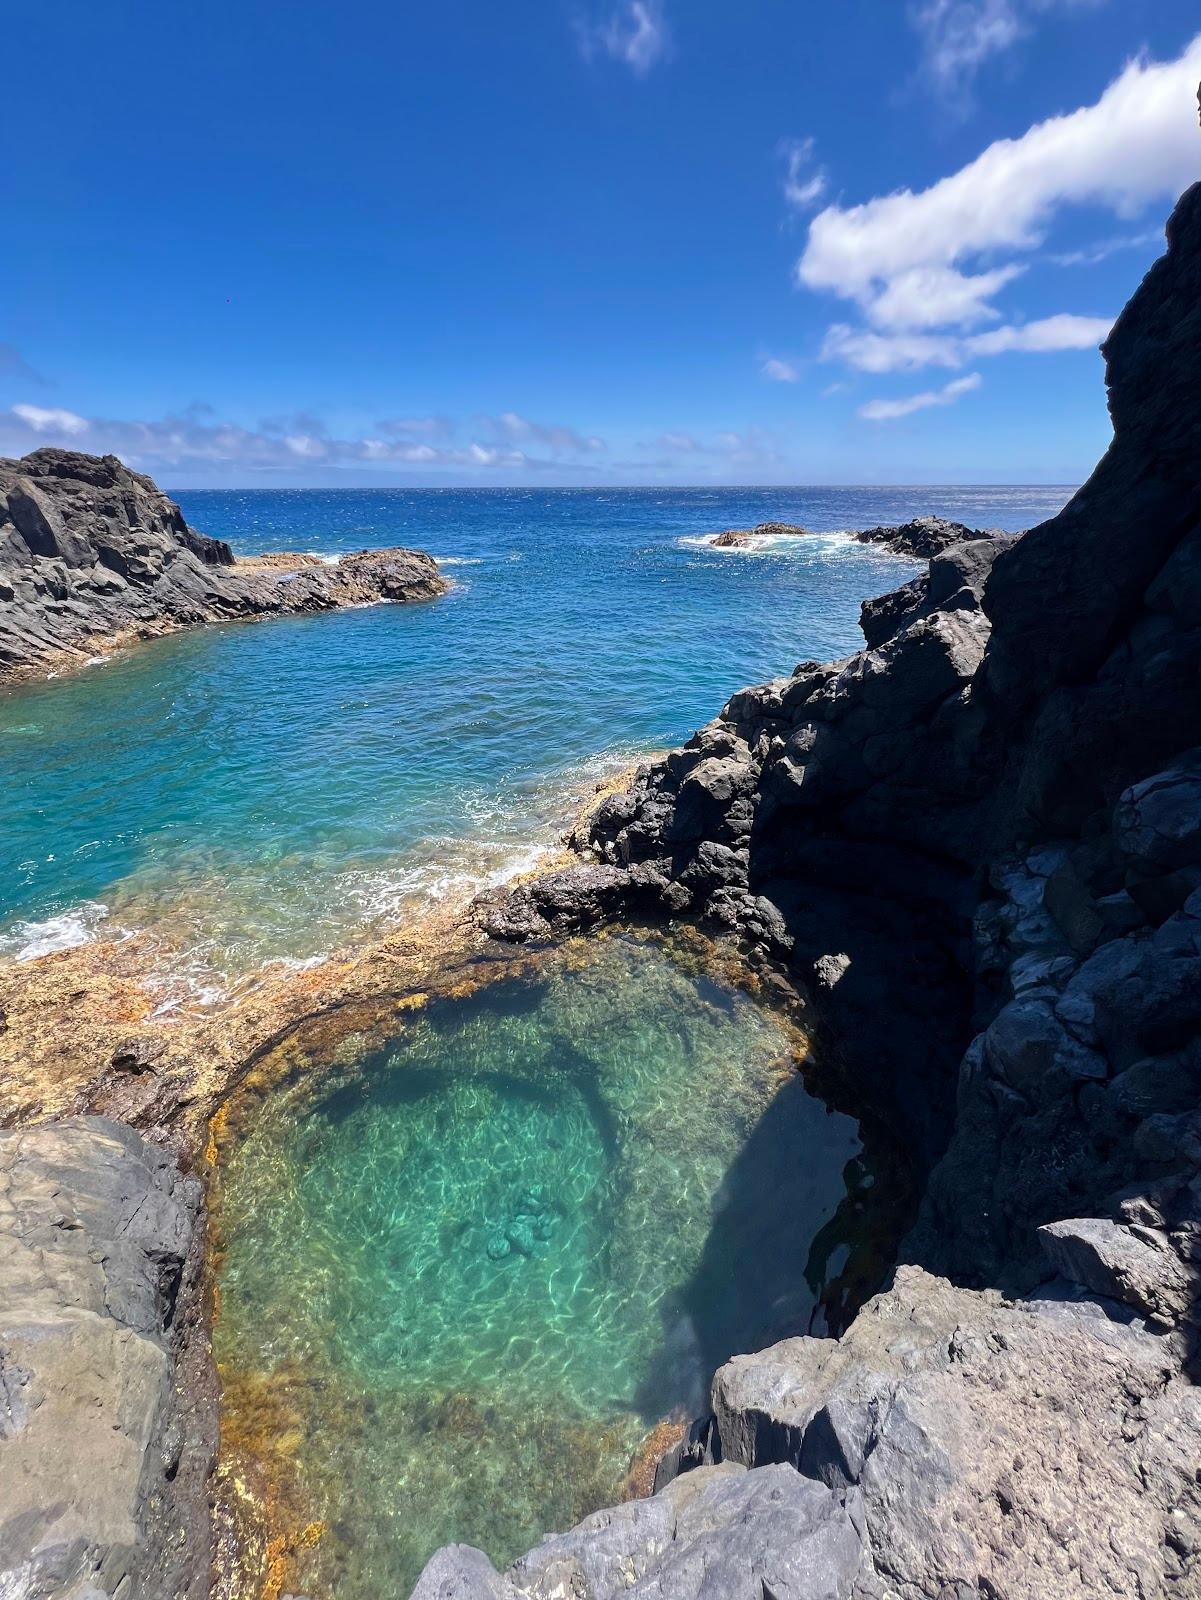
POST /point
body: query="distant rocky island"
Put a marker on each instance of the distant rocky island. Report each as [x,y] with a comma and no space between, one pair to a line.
[94,555]
[919,539]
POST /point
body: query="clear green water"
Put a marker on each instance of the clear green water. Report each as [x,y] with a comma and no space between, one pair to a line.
[488,1256]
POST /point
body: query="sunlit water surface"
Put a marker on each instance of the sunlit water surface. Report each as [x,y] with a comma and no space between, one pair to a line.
[472,1270]
[262,792]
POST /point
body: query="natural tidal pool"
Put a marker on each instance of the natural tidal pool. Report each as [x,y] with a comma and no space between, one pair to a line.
[473,1249]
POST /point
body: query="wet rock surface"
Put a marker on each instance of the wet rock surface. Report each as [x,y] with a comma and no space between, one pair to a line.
[978,842]
[921,538]
[92,553]
[103,1456]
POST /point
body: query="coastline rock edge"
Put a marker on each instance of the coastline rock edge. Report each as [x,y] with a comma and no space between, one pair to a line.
[94,555]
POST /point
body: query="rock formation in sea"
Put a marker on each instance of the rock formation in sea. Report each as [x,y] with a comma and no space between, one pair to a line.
[978,842]
[920,538]
[92,553]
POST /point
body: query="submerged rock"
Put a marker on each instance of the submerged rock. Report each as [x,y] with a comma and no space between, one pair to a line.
[733,537]
[921,538]
[92,553]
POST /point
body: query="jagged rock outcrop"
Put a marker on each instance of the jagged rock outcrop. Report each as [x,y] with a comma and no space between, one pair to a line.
[920,539]
[105,1444]
[721,1533]
[91,552]
[979,841]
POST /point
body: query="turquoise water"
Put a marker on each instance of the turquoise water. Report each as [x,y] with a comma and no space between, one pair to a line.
[260,792]
[475,1267]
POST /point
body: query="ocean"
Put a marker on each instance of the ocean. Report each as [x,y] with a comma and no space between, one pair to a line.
[262,793]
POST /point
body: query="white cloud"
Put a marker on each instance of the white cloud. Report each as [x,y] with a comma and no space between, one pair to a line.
[781,371]
[959,36]
[683,442]
[196,438]
[868,351]
[940,297]
[1062,332]
[304,445]
[636,33]
[1137,144]
[43,419]
[890,410]
[804,181]
[923,267]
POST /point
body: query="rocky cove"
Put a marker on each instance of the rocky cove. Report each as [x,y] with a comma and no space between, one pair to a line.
[971,855]
[93,556]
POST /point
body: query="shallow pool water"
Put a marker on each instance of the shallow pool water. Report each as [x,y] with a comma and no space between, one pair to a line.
[468,1274]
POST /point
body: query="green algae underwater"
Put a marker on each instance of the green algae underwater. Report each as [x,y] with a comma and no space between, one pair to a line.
[466,1264]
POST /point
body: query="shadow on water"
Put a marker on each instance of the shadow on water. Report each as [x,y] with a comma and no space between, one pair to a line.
[777,1261]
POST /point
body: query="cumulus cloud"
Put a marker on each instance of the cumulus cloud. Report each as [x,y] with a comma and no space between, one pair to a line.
[51,419]
[959,36]
[198,439]
[804,180]
[1062,332]
[939,297]
[869,351]
[1137,144]
[635,33]
[923,266]
[684,443]
[780,371]
[890,410]
[556,437]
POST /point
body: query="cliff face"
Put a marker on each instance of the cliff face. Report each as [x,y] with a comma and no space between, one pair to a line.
[91,552]
[979,843]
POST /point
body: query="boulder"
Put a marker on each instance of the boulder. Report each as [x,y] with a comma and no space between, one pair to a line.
[718,1532]
[96,1232]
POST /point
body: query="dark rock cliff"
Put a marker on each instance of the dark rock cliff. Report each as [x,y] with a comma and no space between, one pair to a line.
[91,552]
[978,842]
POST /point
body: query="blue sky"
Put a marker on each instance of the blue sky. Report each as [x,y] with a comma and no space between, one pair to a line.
[621,241]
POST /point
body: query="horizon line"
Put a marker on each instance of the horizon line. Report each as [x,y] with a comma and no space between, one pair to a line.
[592,488]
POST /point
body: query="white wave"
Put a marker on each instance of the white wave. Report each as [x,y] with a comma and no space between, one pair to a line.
[26,941]
[832,540]
[459,561]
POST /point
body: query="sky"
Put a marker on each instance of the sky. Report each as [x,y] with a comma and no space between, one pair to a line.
[604,242]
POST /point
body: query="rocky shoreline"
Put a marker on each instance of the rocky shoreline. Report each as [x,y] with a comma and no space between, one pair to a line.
[977,844]
[94,556]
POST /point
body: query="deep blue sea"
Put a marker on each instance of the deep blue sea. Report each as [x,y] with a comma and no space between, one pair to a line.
[258,792]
